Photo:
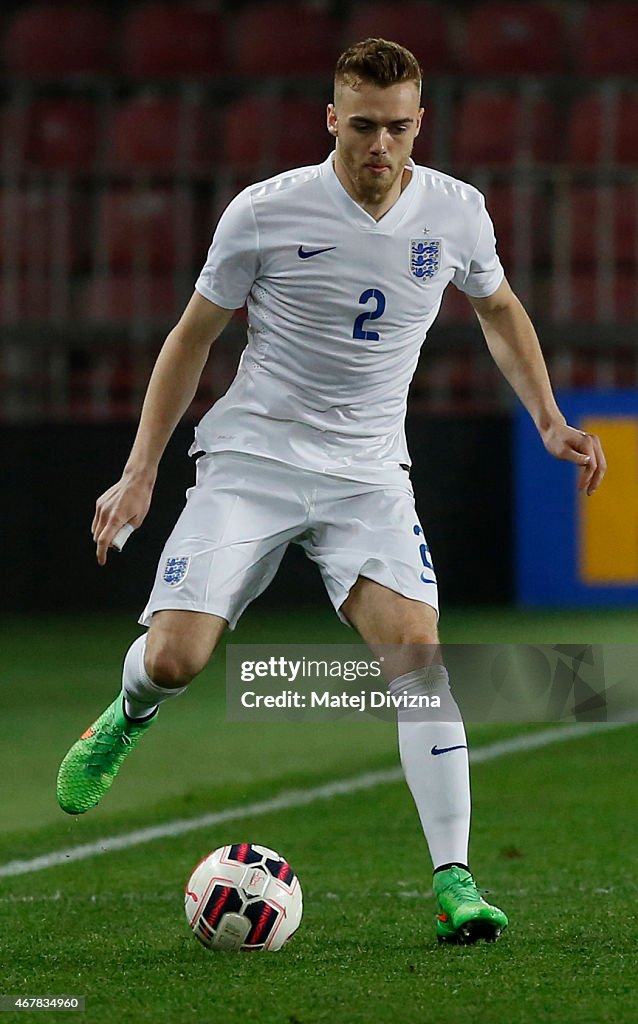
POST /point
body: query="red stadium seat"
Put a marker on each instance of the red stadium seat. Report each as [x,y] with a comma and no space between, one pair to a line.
[173,41]
[163,135]
[125,297]
[273,134]
[609,40]
[61,134]
[422,27]
[13,127]
[455,307]
[494,128]
[29,297]
[507,206]
[423,152]
[599,131]
[59,41]
[150,229]
[588,303]
[593,211]
[284,39]
[43,228]
[514,39]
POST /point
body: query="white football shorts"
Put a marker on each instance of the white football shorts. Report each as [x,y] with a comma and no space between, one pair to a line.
[244,511]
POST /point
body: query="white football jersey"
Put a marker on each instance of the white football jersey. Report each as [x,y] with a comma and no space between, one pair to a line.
[338,307]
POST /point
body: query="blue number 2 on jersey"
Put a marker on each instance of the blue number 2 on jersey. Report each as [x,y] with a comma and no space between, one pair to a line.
[374,314]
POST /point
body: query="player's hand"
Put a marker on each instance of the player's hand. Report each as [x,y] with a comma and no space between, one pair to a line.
[585,450]
[127,501]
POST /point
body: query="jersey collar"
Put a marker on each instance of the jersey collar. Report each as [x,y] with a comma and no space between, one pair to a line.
[356,213]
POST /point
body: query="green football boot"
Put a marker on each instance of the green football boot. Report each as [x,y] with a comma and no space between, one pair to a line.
[462,915]
[89,769]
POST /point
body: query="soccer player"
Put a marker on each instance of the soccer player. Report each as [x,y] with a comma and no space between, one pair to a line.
[343,266]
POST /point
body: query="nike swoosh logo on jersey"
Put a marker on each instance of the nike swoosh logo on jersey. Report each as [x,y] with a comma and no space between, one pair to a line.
[305,254]
[446,750]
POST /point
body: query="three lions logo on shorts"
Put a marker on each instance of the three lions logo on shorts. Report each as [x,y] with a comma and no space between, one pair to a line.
[175,570]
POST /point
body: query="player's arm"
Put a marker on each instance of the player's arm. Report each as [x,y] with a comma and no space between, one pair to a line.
[514,346]
[170,391]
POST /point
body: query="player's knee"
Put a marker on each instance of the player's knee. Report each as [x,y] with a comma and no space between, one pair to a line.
[416,626]
[172,667]
[418,635]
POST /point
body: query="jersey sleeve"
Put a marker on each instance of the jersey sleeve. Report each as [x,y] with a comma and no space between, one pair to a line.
[483,272]
[233,258]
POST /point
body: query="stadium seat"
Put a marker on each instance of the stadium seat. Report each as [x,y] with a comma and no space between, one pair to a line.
[609,40]
[13,126]
[588,220]
[595,136]
[150,229]
[43,228]
[125,297]
[455,307]
[272,134]
[505,205]
[514,39]
[104,383]
[423,152]
[27,298]
[59,41]
[291,39]
[110,383]
[494,128]
[587,304]
[173,41]
[61,134]
[422,27]
[163,135]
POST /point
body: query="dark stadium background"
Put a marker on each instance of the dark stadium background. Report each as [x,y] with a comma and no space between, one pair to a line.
[126,128]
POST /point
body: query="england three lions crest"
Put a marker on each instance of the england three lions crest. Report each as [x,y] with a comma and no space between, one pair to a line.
[175,570]
[425,257]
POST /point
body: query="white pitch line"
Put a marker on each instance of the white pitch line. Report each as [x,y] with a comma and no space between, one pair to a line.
[291,798]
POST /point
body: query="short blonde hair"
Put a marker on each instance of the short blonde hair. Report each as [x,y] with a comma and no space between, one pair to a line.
[378,61]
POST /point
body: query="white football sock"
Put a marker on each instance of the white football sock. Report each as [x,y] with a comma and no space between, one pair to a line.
[141,695]
[439,781]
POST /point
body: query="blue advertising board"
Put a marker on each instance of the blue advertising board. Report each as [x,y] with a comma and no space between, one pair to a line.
[574,550]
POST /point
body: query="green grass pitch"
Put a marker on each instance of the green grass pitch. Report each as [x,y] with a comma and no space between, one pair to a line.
[553,841]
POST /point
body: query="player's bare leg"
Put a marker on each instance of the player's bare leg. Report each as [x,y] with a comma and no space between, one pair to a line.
[434,752]
[382,616]
[179,644]
[158,665]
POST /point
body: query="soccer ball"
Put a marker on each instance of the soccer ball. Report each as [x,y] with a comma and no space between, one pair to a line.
[243,897]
